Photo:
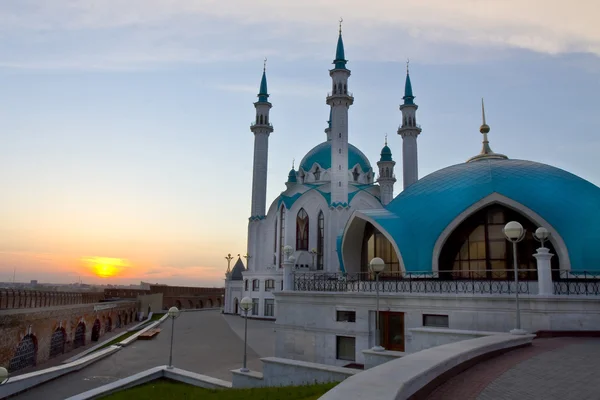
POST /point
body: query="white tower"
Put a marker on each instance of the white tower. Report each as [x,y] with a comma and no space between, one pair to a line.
[261,129]
[386,174]
[340,101]
[409,130]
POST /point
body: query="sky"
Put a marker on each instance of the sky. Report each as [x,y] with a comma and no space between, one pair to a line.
[125,147]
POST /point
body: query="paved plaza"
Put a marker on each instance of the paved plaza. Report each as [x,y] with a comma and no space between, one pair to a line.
[205,342]
[557,368]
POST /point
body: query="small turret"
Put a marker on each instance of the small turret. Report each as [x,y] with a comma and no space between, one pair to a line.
[292,177]
[409,130]
[387,178]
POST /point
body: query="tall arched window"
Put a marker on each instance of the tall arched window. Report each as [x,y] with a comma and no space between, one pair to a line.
[281,234]
[320,240]
[355,174]
[375,244]
[302,230]
[275,243]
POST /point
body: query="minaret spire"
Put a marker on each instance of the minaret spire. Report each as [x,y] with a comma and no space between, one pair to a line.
[340,101]
[409,130]
[486,150]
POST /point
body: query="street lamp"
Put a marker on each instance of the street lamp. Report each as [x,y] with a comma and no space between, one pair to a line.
[287,251]
[3,375]
[377,265]
[514,233]
[541,235]
[173,313]
[245,304]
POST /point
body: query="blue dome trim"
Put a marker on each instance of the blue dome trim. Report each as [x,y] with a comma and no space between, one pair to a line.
[567,202]
[321,154]
[257,218]
[338,249]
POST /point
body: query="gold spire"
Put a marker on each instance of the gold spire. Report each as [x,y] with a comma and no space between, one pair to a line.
[407,62]
[265,65]
[293,161]
[386,139]
[486,151]
[341,20]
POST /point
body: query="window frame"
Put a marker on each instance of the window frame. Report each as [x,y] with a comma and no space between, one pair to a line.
[256,285]
[269,285]
[255,306]
[430,325]
[302,230]
[269,307]
[351,315]
[337,348]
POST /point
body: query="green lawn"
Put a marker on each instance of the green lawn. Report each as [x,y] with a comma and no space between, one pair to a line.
[156,317]
[117,340]
[165,389]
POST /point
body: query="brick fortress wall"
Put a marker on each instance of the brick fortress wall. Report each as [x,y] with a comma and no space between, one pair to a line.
[32,332]
[182,297]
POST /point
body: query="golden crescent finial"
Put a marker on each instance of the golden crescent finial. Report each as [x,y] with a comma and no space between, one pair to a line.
[341,20]
[407,62]
[265,65]
[386,139]
[293,161]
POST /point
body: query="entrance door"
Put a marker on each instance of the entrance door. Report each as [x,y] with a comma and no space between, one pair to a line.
[392,330]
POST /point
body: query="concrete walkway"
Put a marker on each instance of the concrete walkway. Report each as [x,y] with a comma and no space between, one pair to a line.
[261,334]
[557,368]
[203,343]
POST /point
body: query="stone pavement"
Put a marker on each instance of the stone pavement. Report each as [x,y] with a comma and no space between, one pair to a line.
[557,368]
[203,343]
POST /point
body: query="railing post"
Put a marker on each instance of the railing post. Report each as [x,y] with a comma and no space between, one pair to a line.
[544,273]
[288,275]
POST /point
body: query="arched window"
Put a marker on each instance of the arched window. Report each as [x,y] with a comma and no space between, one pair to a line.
[275,243]
[302,230]
[266,119]
[478,249]
[320,240]
[317,173]
[26,354]
[355,174]
[281,234]
[375,244]
[246,285]
[345,88]
[261,119]
[334,88]
[57,342]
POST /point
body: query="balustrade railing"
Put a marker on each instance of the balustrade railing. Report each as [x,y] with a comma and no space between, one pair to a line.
[466,282]
[585,283]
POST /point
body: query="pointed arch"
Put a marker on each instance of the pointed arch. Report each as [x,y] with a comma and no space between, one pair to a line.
[496,198]
[320,240]
[261,120]
[302,230]
[317,173]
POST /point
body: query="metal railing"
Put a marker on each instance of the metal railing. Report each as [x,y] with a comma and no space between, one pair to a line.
[585,283]
[446,282]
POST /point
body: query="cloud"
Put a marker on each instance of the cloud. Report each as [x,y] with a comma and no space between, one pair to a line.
[122,34]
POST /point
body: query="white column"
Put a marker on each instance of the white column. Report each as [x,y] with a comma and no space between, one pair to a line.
[545,284]
[410,164]
[288,275]
[259,173]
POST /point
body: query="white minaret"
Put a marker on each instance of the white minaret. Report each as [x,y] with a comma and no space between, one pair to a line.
[340,101]
[261,129]
[409,130]
[386,174]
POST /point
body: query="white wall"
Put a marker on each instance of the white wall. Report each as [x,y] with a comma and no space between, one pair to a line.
[307,326]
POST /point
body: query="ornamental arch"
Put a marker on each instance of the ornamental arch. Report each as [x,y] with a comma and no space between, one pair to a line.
[25,354]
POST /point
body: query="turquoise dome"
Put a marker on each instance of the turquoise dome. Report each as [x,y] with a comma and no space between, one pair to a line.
[386,154]
[292,176]
[570,204]
[321,154]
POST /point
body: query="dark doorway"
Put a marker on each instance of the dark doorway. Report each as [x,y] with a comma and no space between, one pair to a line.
[96,330]
[79,339]
[26,354]
[57,342]
[391,326]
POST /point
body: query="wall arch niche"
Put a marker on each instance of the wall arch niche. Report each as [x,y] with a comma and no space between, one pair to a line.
[478,249]
[375,244]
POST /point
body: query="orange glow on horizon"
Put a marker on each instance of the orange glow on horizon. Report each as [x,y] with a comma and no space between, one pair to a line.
[106,267]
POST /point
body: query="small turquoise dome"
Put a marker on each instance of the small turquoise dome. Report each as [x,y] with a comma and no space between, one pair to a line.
[570,204]
[386,154]
[292,176]
[321,154]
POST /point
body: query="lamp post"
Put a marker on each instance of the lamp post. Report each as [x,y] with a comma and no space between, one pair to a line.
[245,304]
[3,375]
[173,313]
[313,253]
[514,232]
[544,266]
[377,265]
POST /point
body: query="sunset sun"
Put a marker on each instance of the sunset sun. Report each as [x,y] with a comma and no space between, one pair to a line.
[105,267]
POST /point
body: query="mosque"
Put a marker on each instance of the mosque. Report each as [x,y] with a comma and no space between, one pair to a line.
[447,261]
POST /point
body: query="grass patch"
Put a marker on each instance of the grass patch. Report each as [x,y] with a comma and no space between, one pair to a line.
[165,389]
[116,340]
[156,317]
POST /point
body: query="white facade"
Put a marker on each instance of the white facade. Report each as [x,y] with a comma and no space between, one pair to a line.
[334,180]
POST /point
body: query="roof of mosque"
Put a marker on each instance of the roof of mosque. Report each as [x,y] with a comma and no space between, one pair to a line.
[571,205]
[386,154]
[321,154]
[238,268]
